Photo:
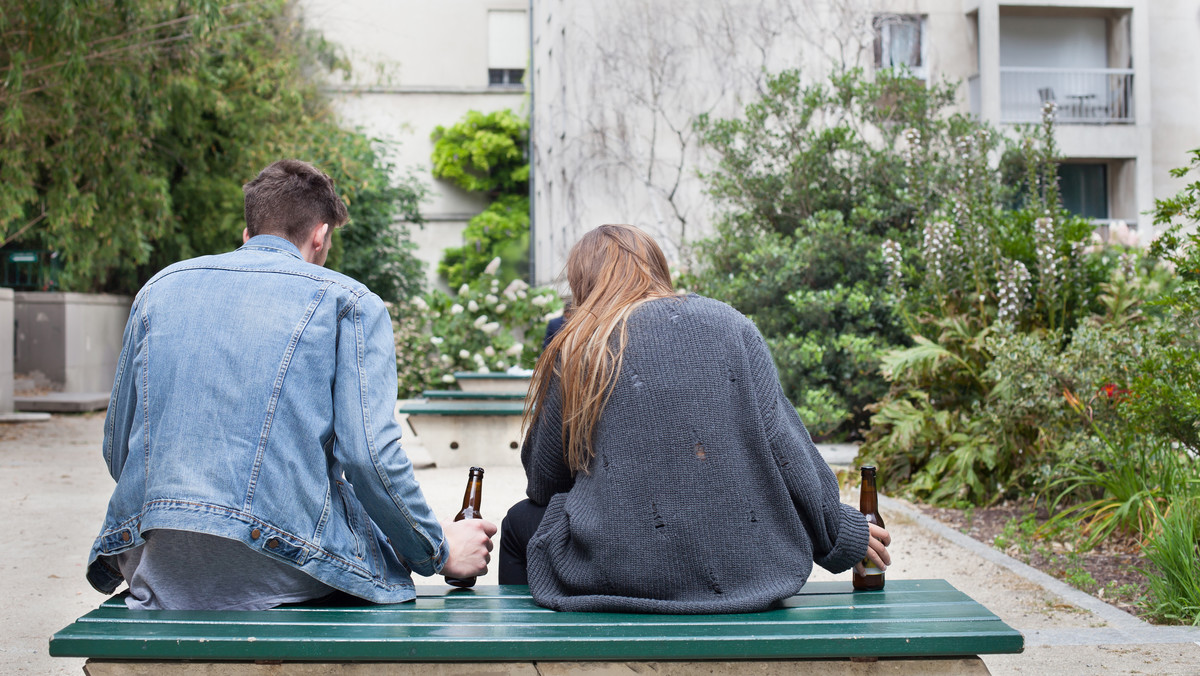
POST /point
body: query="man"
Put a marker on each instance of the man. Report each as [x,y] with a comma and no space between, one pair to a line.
[251,430]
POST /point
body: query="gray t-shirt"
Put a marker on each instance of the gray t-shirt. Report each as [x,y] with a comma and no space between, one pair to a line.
[182,570]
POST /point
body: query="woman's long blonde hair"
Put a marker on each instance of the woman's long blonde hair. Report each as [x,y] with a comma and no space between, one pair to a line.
[611,270]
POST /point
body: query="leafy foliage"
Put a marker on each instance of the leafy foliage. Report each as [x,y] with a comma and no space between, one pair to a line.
[129,127]
[1009,306]
[483,152]
[486,153]
[502,229]
[812,178]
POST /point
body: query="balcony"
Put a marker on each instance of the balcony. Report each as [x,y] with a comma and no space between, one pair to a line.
[1083,95]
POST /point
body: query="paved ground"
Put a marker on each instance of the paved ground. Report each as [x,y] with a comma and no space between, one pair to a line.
[53,489]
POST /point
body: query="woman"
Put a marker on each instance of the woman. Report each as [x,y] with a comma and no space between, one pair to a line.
[666,470]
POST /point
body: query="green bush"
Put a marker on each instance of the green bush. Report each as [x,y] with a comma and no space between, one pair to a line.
[129,128]
[486,153]
[812,180]
[1011,303]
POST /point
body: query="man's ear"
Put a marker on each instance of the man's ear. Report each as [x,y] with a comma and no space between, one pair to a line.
[245,235]
[319,236]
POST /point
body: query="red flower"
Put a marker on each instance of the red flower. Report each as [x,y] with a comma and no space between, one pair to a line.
[1114,393]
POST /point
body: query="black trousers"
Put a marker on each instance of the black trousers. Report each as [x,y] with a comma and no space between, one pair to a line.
[518,527]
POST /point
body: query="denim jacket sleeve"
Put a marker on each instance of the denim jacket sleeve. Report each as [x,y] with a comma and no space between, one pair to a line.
[122,404]
[368,437]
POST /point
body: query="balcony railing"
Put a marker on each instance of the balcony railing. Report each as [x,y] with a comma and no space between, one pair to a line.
[1083,95]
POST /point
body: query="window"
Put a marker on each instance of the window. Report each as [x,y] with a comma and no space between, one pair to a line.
[900,42]
[508,47]
[505,77]
[1084,189]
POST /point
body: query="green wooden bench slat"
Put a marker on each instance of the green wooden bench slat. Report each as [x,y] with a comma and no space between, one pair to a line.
[910,618]
[463,407]
[458,395]
[472,375]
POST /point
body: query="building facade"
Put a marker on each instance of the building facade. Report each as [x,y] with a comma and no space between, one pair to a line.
[417,65]
[615,87]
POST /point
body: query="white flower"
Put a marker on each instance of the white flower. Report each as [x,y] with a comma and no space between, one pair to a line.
[515,286]
[501,308]
[540,300]
[447,378]
[477,358]
[455,309]
[473,306]
[515,350]
[492,267]
[521,293]
[490,299]
[463,354]
[464,290]
[501,365]
[483,369]
[447,359]
[489,351]
[480,321]
[437,340]
[491,327]
[419,303]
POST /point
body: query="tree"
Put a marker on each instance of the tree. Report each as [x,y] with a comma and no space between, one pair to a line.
[129,127]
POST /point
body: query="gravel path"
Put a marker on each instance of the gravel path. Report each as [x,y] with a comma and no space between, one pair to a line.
[54,487]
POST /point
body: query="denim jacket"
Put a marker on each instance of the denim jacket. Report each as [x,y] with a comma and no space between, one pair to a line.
[254,400]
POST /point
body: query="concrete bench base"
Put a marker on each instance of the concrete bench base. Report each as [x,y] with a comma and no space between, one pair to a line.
[469,440]
[956,666]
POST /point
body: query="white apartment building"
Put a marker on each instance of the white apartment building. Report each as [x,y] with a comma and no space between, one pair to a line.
[419,64]
[615,86]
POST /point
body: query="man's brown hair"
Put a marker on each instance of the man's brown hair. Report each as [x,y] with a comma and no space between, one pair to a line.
[289,198]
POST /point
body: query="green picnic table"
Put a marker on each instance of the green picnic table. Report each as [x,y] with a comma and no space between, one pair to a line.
[913,626]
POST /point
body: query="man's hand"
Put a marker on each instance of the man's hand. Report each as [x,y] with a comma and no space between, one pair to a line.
[876,549]
[470,545]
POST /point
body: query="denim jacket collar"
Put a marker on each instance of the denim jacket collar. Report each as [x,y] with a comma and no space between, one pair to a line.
[272,243]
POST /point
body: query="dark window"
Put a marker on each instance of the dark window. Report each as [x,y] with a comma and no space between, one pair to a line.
[898,42]
[505,77]
[1084,189]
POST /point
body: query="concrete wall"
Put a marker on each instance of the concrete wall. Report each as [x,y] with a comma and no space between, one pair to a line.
[417,65]
[74,339]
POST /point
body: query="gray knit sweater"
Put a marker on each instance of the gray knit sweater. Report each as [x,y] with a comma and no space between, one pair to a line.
[705,495]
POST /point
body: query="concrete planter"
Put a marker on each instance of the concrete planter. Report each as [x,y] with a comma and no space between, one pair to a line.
[74,339]
[6,350]
[492,382]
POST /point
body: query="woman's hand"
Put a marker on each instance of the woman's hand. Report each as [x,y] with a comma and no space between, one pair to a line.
[876,549]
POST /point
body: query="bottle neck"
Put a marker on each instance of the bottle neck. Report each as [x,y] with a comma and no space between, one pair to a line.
[473,497]
[868,501]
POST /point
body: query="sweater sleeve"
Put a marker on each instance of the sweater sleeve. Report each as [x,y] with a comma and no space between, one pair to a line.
[838,532]
[546,470]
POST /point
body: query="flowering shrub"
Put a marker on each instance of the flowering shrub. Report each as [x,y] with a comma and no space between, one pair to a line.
[484,327]
[1008,306]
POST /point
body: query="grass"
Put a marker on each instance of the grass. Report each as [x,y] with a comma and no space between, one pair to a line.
[1175,552]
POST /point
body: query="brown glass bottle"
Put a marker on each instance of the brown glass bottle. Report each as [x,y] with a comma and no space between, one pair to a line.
[472,498]
[868,504]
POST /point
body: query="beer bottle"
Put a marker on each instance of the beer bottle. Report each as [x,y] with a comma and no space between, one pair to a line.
[868,504]
[470,510]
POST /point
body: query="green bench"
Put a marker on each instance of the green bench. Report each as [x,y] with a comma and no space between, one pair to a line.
[914,626]
[459,395]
